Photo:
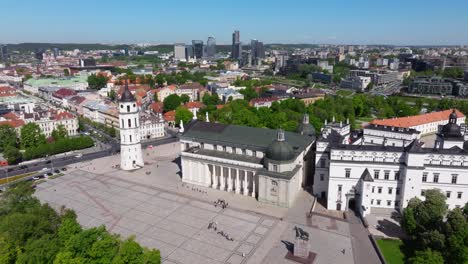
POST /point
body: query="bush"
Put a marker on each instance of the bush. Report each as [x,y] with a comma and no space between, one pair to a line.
[60,146]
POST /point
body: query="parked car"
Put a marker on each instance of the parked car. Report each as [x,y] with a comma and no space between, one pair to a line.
[56,171]
[64,169]
[49,174]
[36,178]
[44,169]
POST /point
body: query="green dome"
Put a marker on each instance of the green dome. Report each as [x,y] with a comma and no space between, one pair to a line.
[279,149]
[305,128]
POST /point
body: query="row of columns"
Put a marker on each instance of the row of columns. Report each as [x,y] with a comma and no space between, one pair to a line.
[232,182]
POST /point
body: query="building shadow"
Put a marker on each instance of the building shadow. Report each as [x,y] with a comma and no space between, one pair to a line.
[289,246]
[390,228]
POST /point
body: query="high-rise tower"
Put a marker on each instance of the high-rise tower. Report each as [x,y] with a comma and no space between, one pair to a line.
[236,48]
[130,148]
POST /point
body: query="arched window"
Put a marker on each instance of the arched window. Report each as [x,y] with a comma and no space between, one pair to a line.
[129,123]
[123,123]
[128,108]
[130,138]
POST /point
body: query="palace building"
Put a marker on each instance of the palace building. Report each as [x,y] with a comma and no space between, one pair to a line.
[378,169]
[351,172]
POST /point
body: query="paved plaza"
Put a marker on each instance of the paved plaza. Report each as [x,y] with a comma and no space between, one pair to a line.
[152,204]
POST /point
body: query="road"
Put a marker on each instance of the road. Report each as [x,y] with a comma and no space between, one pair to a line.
[57,162]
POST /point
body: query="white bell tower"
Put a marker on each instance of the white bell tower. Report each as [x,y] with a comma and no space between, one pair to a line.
[131,157]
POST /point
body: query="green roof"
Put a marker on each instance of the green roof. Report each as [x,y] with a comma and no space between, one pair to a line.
[241,136]
[65,81]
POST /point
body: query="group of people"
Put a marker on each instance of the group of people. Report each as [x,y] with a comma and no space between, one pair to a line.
[214,226]
[194,189]
[221,203]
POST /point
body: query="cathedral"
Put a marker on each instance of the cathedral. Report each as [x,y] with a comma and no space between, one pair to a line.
[374,169]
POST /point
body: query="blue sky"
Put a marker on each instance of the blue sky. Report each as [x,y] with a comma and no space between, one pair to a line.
[409,22]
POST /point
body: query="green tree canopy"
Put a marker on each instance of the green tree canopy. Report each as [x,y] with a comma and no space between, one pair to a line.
[31,135]
[183,114]
[426,257]
[12,155]
[7,137]
[59,132]
[184,98]
[97,81]
[171,102]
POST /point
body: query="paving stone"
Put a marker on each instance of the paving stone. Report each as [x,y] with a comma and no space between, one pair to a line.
[235,259]
[207,250]
[245,248]
[261,230]
[166,236]
[241,215]
[183,256]
[253,239]
[268,222]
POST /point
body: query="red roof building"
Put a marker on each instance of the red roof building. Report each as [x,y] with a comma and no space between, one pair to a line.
[425,123]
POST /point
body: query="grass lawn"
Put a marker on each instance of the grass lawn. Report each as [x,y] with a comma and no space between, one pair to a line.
[391,250]
[14,178]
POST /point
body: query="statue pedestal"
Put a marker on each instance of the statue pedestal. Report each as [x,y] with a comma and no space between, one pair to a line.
[301,248]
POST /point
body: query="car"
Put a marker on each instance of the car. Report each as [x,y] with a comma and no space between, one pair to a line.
[64,169]
[48,162]
[23,167]
[36,178]
[44,169]
[56,171]
[79,155]
[49,174]
[42,176]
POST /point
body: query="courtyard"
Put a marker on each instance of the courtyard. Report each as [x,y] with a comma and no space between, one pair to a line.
[153,205]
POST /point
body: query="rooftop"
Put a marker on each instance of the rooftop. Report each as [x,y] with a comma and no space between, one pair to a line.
[411,121]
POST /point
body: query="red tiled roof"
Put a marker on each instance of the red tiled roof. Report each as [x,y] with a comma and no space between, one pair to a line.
[411,121]
[64,92]
[157,107]
[10,116]
[195,104]
[13,123]
[63,115]
[169,116]
[7,91]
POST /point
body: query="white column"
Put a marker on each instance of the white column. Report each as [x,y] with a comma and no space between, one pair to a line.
[213,176]
[246,183]
[237,182]
[229,180]
[221,177]
[253,184]
[216,183]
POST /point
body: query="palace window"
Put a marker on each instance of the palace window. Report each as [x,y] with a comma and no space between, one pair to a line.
[386,175]
[447,194]
[397,191]
[390,190]
[128,108]
[454,178]
[322,163]
[340,187]
[397,203]
[376,174]
[389,203]
[459,195]
[372,201]
[129,123]
[423,192]
[436,177]
[424,177]
[378,202]
[397,175]
[275,167]
[348,173]
[322,177]
[373,189]
[379,190]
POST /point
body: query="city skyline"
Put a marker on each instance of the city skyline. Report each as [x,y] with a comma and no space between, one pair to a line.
[363,22]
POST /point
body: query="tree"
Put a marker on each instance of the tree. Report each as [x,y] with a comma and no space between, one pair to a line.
[249,93]
[184,98]
[112,95]
[31,135]
[183,114]
[7,137]
[456,232]
[12,155]
[66,72]
[426,257]
[171,102]
[97,81]
[212,99]
[60,132]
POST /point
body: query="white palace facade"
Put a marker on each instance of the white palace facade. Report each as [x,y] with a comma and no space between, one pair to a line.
[379,168]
